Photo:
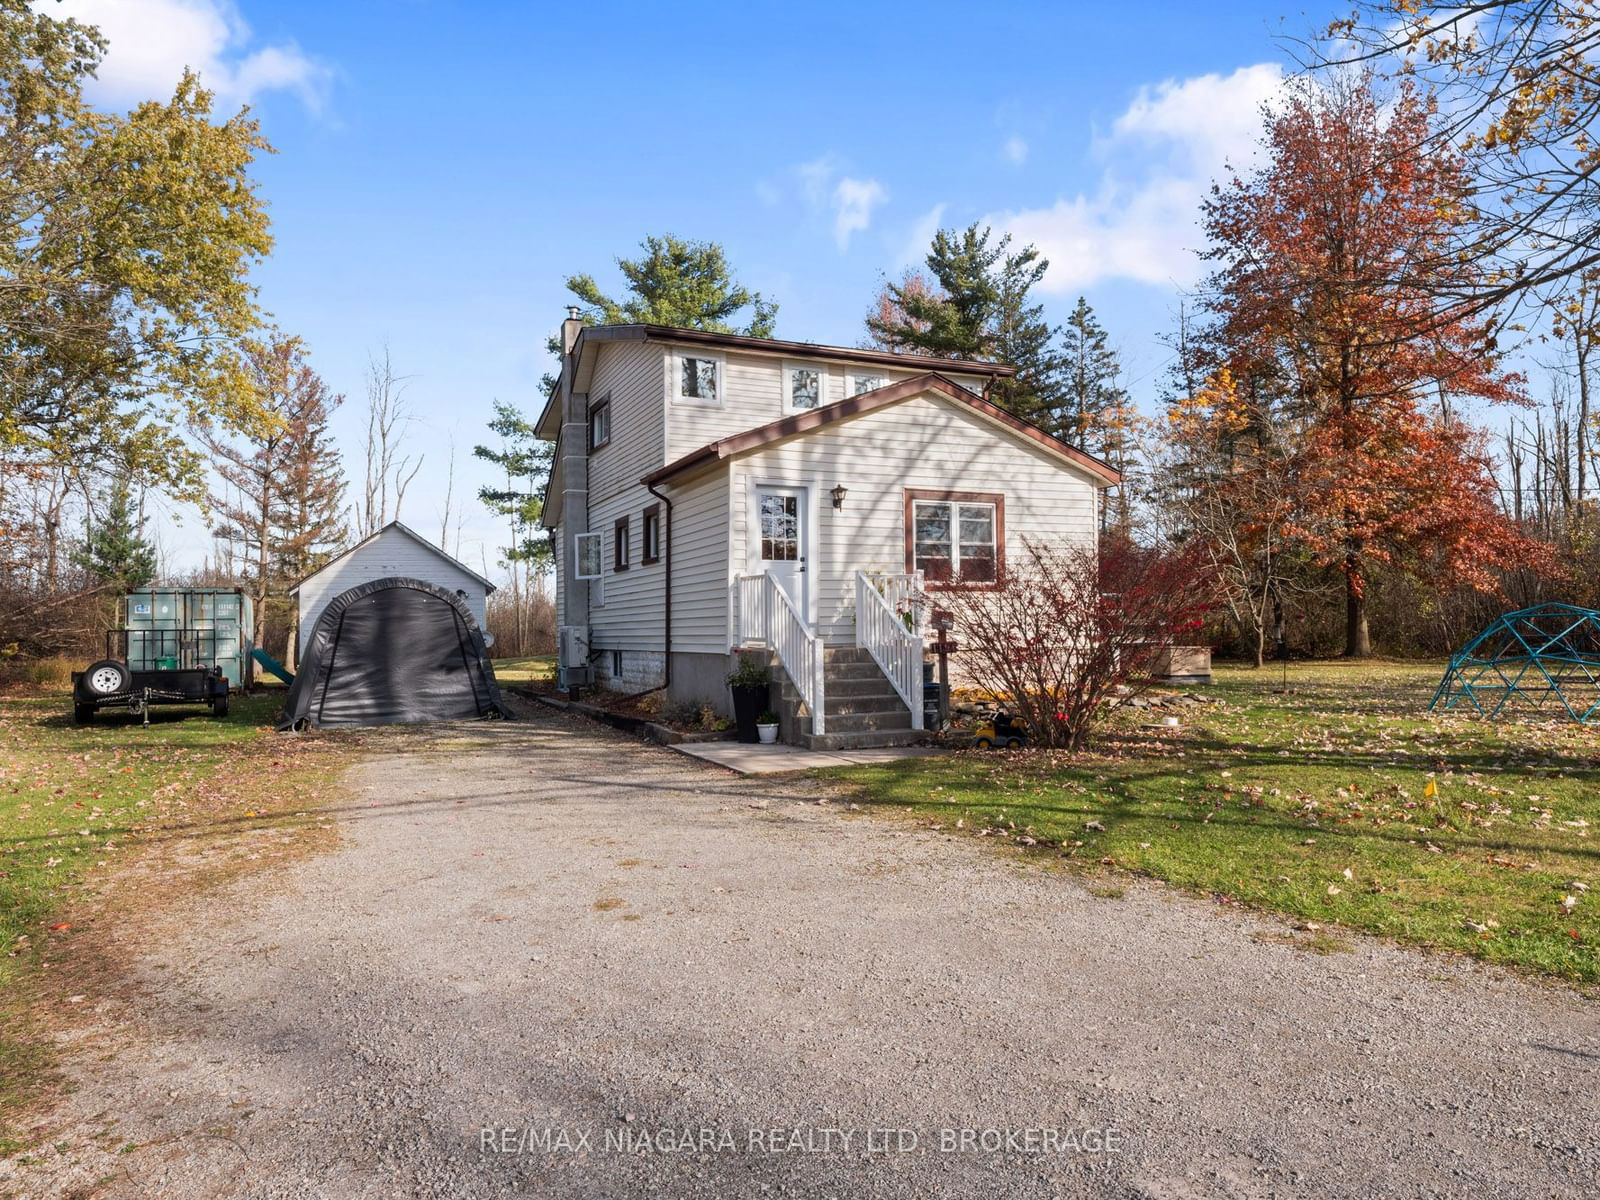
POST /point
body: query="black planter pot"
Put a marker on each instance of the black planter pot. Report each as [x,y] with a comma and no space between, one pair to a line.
[749,702]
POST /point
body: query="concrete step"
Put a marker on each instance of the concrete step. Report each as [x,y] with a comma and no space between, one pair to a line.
[862,741]
[863,722]
[845,654]
[857,688]
[862,704]
[851,670]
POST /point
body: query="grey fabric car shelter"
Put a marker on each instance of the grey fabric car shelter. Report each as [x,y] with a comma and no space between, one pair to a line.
[388,652]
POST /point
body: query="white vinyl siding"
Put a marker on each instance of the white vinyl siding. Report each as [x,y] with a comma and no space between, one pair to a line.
[700,564]
[921,443]
[626,606]
[754,392]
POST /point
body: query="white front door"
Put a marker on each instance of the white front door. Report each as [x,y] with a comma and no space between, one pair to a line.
[783,542]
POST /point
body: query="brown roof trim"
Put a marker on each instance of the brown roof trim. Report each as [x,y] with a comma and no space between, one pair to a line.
[866,402]
[739,341]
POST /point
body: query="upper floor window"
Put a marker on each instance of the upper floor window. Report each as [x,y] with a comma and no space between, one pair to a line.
[803,385]
[699,379]
[650,534]
[866,381]
[955,537]
[599,424]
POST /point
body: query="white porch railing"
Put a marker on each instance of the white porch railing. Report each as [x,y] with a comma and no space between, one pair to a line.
[767,617]
[888,626]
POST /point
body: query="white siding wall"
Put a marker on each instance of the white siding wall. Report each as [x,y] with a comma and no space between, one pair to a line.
[626,606]
[700,564]
[390,553]
[753,395]
[920,443]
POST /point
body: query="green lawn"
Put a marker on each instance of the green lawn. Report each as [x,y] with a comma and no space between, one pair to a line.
[535,668]
[1313,804]
[76,802]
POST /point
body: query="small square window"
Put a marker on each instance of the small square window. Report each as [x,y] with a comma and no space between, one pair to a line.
[599,424]
[803,386]
[619,545]
[699,379]
[865,381]
[587,555]
[650,535]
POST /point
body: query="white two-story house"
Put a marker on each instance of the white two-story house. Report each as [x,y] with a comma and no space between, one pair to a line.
[712,492]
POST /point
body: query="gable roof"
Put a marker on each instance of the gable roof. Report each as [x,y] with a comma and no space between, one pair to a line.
[410,533]
[866,402]
[591,334]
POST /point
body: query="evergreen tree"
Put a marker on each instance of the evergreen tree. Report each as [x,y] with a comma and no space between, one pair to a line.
[1096,411]
[976,306]
[310,485]
[115,551]
[525,459]
[677,282]
[282,484]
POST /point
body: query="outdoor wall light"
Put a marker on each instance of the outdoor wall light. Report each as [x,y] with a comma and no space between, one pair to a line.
[838,495]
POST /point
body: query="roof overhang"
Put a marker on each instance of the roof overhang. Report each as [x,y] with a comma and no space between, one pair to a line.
[929,383]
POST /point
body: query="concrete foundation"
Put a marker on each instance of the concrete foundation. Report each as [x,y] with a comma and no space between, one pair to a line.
[703,679]
[640,669]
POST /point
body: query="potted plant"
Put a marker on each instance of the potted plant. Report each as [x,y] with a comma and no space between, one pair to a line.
[749,682]
[767,727]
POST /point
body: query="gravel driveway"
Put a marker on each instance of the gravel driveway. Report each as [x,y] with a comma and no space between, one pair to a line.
[543,934]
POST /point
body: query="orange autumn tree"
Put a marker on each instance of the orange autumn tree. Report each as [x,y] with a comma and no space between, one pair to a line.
[1328,256]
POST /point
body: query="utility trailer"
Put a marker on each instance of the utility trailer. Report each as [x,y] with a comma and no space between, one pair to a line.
[175,646]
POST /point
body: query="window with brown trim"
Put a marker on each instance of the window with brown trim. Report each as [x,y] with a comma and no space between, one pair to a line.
[956,539]
[650,535]
[619,545]
[599,424]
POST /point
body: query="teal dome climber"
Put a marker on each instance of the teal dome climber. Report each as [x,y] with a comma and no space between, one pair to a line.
[1545,659]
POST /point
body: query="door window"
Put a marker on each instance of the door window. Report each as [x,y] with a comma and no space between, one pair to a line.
[780,527]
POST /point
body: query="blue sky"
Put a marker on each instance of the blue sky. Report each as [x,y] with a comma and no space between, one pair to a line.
[442,167]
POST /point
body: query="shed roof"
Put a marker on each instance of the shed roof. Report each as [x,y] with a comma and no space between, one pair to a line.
[410,533]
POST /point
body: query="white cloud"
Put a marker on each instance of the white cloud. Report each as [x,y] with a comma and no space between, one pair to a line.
[1140,221]
[825,189]
[853,202]
[150,42]
[1014,150]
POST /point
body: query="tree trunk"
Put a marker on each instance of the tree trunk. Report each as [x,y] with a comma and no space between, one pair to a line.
[1357,638]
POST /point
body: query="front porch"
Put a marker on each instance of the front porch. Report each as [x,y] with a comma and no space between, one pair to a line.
[842,692]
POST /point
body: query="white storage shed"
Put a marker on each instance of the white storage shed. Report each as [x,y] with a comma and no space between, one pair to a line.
[395,551]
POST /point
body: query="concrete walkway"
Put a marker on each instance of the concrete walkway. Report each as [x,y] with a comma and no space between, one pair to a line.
[778,758]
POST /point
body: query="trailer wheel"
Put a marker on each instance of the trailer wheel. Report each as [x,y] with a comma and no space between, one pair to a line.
[106,677]
[83,714]
[219,706]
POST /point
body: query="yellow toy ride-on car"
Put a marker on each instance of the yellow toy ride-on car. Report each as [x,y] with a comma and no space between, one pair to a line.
[1000,730]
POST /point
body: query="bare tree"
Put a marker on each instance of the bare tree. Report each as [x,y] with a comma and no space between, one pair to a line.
[388,472]
[1066,626]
